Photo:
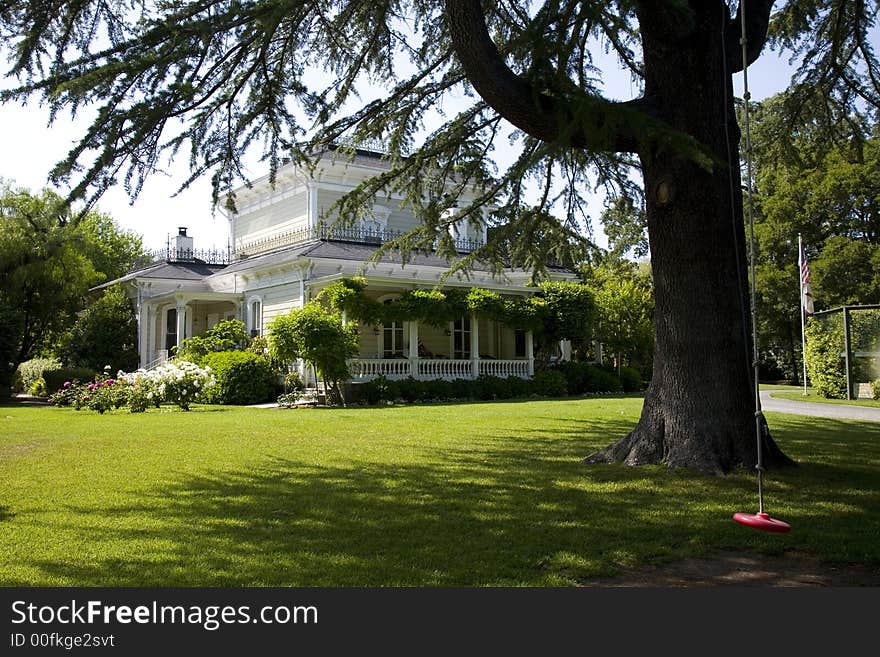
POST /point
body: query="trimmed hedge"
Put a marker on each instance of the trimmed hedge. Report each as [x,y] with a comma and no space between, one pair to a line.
[567,379]
[242,378]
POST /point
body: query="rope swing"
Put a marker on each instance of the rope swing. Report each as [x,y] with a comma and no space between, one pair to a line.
[761,520]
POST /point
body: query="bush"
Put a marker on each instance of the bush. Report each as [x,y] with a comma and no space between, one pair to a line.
[104,334]
[38,388]
[55,379]
[875,388]
[581,378]
[228,335]
[176,381]
[490,387]
[603,380]
[440,390]
[27,373]
[375,390]
[410,389]
[825,365]
[631,379]
[242,378]
[293,383]
[549,383]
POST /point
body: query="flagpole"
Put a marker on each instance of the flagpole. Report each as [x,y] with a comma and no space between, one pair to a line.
[803,314]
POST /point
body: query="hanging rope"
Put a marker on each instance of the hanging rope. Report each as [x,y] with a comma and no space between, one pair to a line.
[761,520]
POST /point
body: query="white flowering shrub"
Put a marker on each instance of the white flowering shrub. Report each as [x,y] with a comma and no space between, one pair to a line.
[177,381]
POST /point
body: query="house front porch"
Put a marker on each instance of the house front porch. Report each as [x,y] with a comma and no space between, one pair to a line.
[465,349]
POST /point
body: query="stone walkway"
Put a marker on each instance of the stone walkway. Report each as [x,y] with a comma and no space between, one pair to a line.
[838,411]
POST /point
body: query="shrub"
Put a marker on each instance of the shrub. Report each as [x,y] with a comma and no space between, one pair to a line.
[38,388]
[410,389]
[631,379]
[176,381]
[490,387]
[69,394]
[320,338]
[375,390]
[825,365]
[242,378]
[549,383]
[101,396]
[603,380]
[228,335]
[875,388]
[105,333]
[439,390]
[55,379]
[27,373]
[293,383]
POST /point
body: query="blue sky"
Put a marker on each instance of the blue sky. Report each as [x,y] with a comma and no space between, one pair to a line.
[31,147]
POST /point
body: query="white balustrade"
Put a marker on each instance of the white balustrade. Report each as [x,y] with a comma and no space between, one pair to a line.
[364,369]
[368,368]
[442,368]
[504,368]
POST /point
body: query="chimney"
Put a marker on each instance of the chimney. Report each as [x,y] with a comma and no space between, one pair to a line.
[183,245]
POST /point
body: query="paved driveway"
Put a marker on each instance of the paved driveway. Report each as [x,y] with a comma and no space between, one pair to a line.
[840,411]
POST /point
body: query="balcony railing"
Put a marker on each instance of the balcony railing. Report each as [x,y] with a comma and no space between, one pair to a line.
[357,234]
[204,256]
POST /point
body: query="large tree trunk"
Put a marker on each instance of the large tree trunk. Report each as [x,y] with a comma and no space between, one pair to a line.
[699,408]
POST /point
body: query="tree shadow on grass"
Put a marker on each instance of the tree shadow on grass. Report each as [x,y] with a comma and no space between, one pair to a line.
[520,509]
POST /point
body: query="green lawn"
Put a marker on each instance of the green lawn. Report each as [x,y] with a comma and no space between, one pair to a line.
[797,394]
[473,494]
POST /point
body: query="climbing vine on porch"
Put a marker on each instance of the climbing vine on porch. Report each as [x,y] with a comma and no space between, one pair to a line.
[557,310]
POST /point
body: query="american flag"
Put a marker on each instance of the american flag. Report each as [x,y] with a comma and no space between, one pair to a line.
[806,291]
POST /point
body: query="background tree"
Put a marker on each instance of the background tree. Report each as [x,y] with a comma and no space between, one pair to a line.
[104,334]
[219,76]
[319,337]
[48,261]
[569,314]
[824,184]
[625,228]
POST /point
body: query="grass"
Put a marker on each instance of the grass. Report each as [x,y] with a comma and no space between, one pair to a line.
[811,396]
[472,495]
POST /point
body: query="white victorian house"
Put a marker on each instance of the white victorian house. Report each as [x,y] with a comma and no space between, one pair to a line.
[281,256]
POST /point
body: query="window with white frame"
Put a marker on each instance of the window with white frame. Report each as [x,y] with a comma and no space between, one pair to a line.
[256,318]
[391,345]
[461,338]
[519,342]
[170,328]
[392,340]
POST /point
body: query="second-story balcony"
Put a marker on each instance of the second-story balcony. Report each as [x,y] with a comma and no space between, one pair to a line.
[358,234]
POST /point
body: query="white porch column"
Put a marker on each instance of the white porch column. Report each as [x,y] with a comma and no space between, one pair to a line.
[181,321]
[144,318]
[413,349]
[565,350]
[530,352]
[475,346]
[599,354]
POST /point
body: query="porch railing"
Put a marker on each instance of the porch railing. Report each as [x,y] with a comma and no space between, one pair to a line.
[364,369]
[442,368]
[504,368]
